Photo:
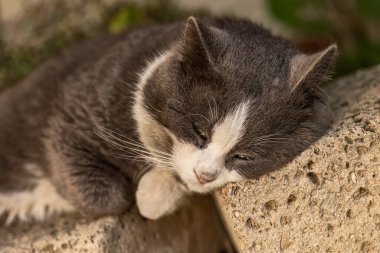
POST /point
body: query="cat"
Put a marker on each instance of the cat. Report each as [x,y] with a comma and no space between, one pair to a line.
[154,114]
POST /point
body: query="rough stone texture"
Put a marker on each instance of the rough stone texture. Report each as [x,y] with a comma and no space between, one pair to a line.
[328,199]
[196,228]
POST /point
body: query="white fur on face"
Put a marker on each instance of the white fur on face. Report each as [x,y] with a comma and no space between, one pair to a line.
[187,158]
[147,127]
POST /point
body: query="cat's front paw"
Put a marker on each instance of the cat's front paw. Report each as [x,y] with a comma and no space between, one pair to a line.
[158,194]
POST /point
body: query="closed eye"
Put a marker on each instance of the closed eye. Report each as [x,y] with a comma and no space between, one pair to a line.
[202,135]
[242,157]
[175,110]
[199,131]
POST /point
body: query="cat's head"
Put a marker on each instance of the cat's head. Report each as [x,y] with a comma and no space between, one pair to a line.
[230,101]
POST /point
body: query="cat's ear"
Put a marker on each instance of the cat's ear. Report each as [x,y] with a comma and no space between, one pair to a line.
[197,44]
[312,68]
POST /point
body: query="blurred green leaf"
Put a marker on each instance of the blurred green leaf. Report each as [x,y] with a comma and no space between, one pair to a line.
[294,14]
[17,63]
[125,17]
[365,54]
[370,8]
[345,21]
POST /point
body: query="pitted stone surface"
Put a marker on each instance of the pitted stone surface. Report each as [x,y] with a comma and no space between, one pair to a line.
[195,228]
[328,199]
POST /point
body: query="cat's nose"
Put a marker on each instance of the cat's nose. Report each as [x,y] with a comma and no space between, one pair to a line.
[205,177]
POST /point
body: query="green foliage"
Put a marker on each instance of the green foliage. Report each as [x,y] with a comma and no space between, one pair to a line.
[292,13]
[353,24]
[126,16]
[130,14]
[365,54]
[369,8]
[17,63]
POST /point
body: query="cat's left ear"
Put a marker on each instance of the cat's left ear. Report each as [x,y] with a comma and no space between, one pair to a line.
[199,42]
[312,69]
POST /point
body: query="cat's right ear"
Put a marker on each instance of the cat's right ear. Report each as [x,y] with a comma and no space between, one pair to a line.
[196,46]
[312,69]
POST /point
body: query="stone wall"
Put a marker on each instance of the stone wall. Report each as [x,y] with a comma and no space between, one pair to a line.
[196,228]
[328,199]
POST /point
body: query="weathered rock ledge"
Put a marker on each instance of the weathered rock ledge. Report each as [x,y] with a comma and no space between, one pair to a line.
[196,228]
[328,199]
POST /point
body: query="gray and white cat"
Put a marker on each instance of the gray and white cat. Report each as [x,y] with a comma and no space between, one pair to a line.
[154,114]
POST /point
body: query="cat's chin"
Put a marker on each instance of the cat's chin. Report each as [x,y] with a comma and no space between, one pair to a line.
[198,188]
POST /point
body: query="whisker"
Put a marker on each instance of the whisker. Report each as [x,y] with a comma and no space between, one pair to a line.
[216,108]
[133,143]
[137,151]
[123,147]
[145,159]
[139,156]
[147,102]
[211,111]
[132,149]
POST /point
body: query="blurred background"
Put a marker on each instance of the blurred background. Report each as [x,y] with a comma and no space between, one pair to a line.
[33,30]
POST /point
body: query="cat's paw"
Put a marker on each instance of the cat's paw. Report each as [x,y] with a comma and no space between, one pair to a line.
[158,194]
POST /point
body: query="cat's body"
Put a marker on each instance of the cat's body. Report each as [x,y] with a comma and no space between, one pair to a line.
[83,129]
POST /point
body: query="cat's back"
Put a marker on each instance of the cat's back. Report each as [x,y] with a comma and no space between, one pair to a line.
[42,84]
[26,107]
